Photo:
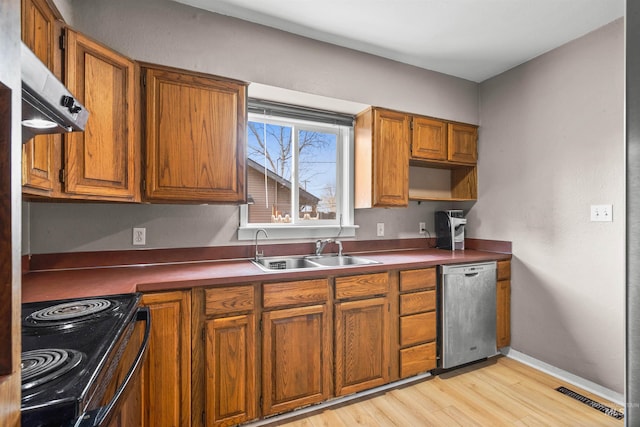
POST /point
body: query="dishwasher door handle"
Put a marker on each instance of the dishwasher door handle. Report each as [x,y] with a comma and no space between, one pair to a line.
[472,274]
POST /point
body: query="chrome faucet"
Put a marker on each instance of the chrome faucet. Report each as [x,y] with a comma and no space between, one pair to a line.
[320,244]
[260,254]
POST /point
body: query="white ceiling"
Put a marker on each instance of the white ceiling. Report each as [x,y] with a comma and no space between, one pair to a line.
[471,39]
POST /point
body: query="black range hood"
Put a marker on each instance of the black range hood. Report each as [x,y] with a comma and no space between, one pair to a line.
[47,105]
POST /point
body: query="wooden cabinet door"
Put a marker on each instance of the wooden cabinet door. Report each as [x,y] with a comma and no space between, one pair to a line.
[230,370]
[101,161]
[362,345]
[463,143]
[40,155]
[429,139]
[503,304]
[296,358]
[166,374]
[503,313]
[195,137]
[390,159]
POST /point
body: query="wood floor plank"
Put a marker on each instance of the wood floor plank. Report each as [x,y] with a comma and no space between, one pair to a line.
[499,392]
[328,418]
[424,413]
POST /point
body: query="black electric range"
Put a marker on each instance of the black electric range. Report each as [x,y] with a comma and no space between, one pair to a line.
[70,351]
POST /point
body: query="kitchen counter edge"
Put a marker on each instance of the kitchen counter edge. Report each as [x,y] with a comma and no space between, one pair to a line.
[90,282]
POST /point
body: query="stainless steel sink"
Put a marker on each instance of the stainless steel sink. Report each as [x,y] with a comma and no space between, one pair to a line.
[340,260]
[284,263]
[309,262]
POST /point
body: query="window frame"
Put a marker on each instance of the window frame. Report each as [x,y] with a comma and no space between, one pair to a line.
[343,225]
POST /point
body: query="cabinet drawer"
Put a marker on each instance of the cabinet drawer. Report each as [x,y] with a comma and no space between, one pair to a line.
[504,270]
[417,328]
[412,280]
[293,293]
[417,302]
[417,359]
[362,286]
[229,299]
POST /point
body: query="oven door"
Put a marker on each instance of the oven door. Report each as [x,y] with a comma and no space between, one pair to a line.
[124,384]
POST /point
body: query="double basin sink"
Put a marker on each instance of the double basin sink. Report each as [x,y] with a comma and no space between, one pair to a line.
[310,262]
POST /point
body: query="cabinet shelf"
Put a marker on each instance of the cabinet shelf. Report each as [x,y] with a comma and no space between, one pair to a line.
[437,183]
[427,198]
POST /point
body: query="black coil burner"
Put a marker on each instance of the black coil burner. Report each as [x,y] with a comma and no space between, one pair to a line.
[70,310]
[44,365]
[67,315]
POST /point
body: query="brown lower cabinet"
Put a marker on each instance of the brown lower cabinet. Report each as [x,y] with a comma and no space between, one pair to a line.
[295,369]
[230,373]
[225,355]
[296,345]
[362,330]
[417,321]
[503,304]
[166,374]
[362,345]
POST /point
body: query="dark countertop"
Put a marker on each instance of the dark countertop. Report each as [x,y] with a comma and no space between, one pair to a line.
[88,282]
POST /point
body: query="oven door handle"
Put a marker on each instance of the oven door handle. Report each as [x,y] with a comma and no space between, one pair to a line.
[98,416]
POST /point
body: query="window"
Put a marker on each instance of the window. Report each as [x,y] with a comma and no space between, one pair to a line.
[299,178]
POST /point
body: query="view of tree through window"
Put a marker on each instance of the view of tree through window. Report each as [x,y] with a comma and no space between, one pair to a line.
[292,172]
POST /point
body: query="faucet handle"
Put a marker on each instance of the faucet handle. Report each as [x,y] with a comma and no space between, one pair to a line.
[339,243]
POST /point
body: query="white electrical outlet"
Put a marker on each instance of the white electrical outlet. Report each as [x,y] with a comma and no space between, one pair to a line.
[602,213]
[380,229]
[422,228]
[139,236]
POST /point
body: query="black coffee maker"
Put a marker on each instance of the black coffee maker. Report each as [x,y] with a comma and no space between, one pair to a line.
[450,229]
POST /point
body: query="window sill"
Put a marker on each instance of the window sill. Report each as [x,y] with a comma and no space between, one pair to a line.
[297,232]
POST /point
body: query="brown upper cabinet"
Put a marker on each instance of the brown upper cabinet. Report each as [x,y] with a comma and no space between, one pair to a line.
[40,31]
[428,139]
[462,143]
[402,157]
[381,159]
[99,163]
[195,137]
[438,140]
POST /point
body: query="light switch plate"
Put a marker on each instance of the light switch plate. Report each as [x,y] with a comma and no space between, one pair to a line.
[602,213]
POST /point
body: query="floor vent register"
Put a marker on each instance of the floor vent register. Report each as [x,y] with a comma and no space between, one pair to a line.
[596,405]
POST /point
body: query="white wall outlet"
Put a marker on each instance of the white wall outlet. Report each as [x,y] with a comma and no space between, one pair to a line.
[139,236]
[602,213]
[422,228]
[380,229]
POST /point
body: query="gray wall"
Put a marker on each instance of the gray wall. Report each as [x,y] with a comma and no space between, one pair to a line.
[172,34]
[73,227]
[552,144]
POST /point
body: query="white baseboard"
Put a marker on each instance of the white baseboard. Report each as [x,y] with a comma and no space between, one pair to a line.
[591,387]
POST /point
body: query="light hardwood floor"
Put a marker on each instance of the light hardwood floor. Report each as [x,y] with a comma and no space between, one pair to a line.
[498,392]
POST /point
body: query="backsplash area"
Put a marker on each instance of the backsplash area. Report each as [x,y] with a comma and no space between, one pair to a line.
[80,227]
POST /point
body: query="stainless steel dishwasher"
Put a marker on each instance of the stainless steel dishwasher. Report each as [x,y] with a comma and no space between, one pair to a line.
[467,313]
